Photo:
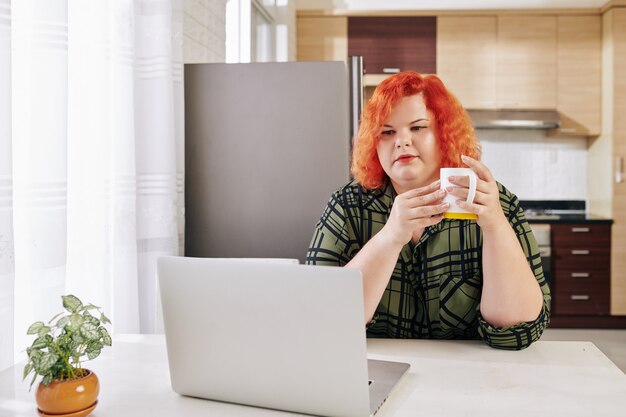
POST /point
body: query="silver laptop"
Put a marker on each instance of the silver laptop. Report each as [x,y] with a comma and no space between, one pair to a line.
[274,335]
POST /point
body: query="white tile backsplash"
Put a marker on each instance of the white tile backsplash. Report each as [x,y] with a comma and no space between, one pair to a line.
[535,166]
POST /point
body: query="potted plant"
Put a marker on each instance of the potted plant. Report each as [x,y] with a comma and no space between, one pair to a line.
[70,338]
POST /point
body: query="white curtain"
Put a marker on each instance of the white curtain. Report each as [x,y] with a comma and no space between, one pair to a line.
[91,158]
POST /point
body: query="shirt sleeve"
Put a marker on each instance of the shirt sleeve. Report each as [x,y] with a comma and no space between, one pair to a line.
[519,336]
[330,238]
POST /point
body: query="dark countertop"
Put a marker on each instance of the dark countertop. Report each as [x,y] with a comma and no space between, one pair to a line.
[590,219]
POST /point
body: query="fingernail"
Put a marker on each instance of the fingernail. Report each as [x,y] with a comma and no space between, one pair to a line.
[441,193]
[449,189]
[445,205]
[463,157]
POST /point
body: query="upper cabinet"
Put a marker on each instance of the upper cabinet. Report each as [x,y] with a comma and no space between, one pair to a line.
[322,38]
[466,58]
[579,74]
[525,62]
[394,44]
[499,62]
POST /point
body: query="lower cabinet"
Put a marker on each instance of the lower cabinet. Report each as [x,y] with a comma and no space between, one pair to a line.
[581,269]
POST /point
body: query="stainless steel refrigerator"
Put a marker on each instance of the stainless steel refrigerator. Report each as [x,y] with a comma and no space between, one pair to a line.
[266,144]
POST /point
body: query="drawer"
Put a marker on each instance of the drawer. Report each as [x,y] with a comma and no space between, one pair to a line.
[563,282]
[581,277]
[583,259]
[581,251]
[592,302]
[583,236]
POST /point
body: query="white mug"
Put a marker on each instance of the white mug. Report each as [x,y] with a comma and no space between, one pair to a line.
[454,211]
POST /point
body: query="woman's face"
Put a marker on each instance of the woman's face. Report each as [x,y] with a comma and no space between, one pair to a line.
[407,149]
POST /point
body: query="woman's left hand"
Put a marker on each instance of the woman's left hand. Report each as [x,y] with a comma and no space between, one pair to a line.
[486,203]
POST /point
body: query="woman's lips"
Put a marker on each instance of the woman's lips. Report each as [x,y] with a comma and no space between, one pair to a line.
[404,159]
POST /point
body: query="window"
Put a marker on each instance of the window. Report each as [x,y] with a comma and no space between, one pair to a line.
[250,31]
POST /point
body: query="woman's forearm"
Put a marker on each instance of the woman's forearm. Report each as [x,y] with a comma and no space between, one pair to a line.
[376,261]
[511,293]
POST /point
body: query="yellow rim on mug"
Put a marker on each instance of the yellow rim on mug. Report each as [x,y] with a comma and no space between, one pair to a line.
[460,216]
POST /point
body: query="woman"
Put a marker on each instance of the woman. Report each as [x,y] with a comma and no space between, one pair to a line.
[423,276]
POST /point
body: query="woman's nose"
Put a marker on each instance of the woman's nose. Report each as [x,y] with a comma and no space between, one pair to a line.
[403,140]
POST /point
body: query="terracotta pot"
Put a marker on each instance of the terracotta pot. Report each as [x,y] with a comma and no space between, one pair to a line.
[68,396]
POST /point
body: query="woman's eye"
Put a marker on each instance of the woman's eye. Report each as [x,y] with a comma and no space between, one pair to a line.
[388,132]
[417,128]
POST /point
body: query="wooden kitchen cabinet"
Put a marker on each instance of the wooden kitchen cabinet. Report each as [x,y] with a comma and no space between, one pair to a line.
[322,38]
[394,43]
[526,68]
[579,74]
[504,62]
[581,256]
[466,58]
[615,31]
[526,62]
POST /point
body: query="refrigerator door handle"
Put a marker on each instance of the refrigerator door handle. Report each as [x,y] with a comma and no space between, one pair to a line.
[356,95]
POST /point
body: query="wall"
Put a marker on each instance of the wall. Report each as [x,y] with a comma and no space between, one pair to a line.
[204,26]
[534,166]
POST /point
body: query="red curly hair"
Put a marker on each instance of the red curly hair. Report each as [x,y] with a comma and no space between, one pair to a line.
[453,126]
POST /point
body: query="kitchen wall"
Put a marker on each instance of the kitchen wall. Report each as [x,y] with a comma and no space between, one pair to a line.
[535,166]
[204,26]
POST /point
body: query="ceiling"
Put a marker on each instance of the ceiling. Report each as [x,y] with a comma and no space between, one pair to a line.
[445,4]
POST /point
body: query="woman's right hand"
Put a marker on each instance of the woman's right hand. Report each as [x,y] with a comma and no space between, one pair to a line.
[413,210]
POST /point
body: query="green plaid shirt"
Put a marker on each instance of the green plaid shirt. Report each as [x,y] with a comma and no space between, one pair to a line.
[434,291]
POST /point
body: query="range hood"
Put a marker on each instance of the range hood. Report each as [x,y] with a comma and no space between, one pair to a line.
[515,119]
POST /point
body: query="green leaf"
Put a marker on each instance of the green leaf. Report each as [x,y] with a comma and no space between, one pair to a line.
[46,362]
[91,319]
[76,321]
[93,353]
[34,328]
[32,381]
[90,307]
[76,341]
[105,337]
[41,342]
[34,354]
[43,330]
[89,331]
[63,321]
[104,319]
[71,303]
[27,370]
[47,379]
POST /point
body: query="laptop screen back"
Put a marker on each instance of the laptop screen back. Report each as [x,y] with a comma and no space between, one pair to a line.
[288,337]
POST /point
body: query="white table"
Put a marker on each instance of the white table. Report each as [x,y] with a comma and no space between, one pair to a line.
[447,378]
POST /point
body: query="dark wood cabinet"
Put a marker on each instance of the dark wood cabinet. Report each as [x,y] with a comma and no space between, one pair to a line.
[581,269]
[388,43]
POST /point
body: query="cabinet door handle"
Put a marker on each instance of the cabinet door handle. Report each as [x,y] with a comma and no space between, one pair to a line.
[580,230]
[619,169]
[580,252]
[580,297]
[391,70]
[580,274]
